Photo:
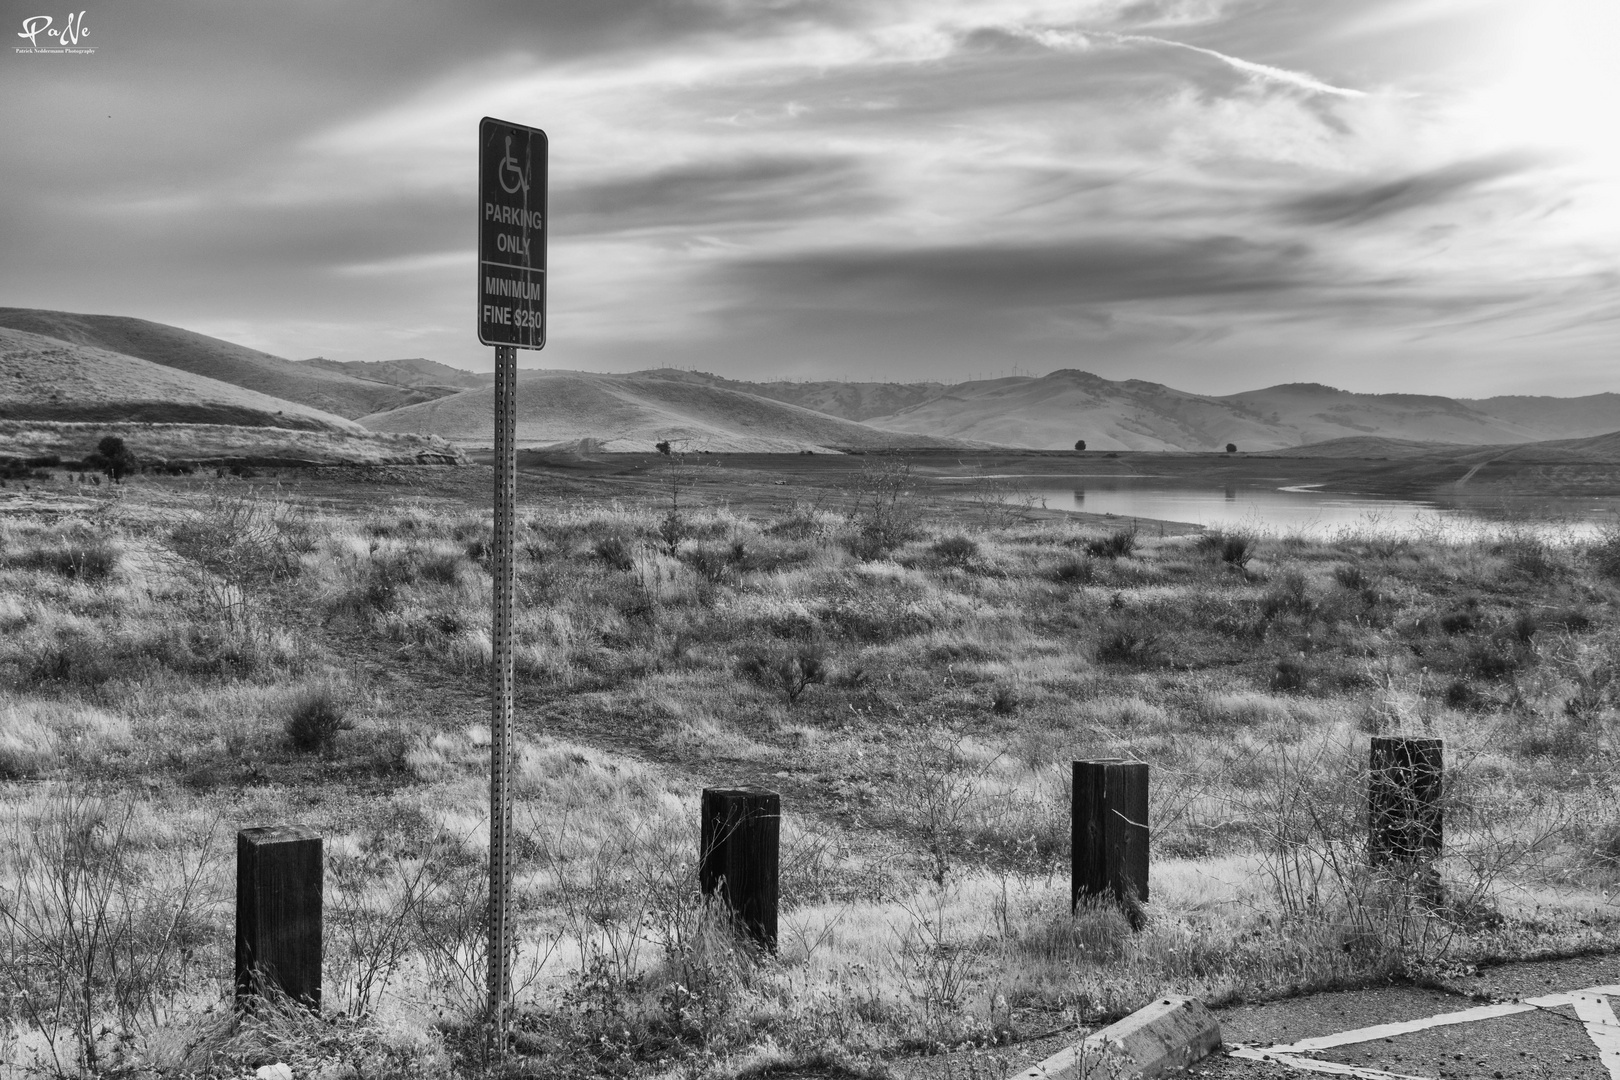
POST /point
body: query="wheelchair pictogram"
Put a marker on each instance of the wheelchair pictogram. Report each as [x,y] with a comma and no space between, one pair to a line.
[509,165]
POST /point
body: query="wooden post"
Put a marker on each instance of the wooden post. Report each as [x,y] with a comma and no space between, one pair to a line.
[1405,821]
[1109,850]
[279,874]
[741,838]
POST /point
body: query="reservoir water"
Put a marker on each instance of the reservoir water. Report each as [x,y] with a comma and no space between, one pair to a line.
[1300,510]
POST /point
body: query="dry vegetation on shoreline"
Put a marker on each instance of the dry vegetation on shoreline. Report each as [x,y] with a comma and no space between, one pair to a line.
[191,658]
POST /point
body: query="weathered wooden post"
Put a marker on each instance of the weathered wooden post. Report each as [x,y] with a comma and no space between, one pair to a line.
[741,838]
[279,872]
[1405,819]
[1109,848]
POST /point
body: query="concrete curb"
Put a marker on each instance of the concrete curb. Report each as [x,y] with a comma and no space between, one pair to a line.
[1155,1040]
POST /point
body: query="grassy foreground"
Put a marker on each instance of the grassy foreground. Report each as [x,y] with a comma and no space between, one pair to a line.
[190,656]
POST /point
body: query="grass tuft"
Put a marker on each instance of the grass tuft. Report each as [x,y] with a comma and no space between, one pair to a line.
[315,718]
[1232,548]
[1115,545]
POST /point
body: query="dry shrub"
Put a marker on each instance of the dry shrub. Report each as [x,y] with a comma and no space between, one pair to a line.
[789,668]
[1075,570]
[885,512]
[1115,545]
[959,551]
[1232,548]
[77,559]
[1129,641]
[314,719]
[98,932]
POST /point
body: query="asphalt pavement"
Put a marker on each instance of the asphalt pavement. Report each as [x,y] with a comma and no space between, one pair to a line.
[1541,1044]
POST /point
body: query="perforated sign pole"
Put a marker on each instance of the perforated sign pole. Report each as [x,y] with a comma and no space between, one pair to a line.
[511,316]
[501,930]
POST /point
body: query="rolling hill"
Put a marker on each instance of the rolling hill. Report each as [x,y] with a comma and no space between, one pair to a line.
[329,391]
[1554,417]
[711,412]
[859,401]
[46,378]
[1052,411]
[632,412]
[440,380]
[1363,446]
[1318,413]
[1564,468]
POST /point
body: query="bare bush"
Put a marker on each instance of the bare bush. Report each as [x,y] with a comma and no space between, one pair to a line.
[1116,545]
[884,510]
[315,717]
[240,544]
[1232,548]
[94,939]
[792,669]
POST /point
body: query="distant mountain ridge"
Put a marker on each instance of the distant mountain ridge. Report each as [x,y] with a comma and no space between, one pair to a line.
[1055,410]
[1051,411]
[634,412]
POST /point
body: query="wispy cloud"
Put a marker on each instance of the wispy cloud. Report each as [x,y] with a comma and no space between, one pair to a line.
[1212,193]
[1085,39]
[1368,200]
[1267,72]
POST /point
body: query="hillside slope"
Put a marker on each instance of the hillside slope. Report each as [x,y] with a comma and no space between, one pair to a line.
[1053,411]
[632,412]
[1364,446]
[1554,417]
[1317,413]
[329,391]
[416,372]
[1588,466]
[859,401]
[157,443]
[46,378]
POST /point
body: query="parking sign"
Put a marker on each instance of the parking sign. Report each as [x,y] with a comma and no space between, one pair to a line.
[511,234]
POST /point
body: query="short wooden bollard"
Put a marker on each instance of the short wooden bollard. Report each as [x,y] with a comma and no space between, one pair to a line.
[741,838]
[279,873]
[1110,834]
[1405,819]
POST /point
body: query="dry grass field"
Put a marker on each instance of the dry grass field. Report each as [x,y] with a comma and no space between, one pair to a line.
[210,444]
[186,656]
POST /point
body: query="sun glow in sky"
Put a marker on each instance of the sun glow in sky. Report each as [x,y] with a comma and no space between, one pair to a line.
[1383,195]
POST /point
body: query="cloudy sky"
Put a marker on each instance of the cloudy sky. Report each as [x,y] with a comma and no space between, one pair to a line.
[1414,195]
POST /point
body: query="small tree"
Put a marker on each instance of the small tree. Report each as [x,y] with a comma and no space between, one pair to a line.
[662,448]
[113,458]
[1080,445]
[679,472]
[1231,448]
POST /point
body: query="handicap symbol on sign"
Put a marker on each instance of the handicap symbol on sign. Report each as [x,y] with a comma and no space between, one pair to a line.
[509,164]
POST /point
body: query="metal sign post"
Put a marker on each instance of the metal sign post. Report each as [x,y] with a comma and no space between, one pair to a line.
[511,316]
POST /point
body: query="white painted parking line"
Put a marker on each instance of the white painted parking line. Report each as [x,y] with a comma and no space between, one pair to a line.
[1305,1064]
[1595,1013]
[1591,1006]
[1406,1027]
